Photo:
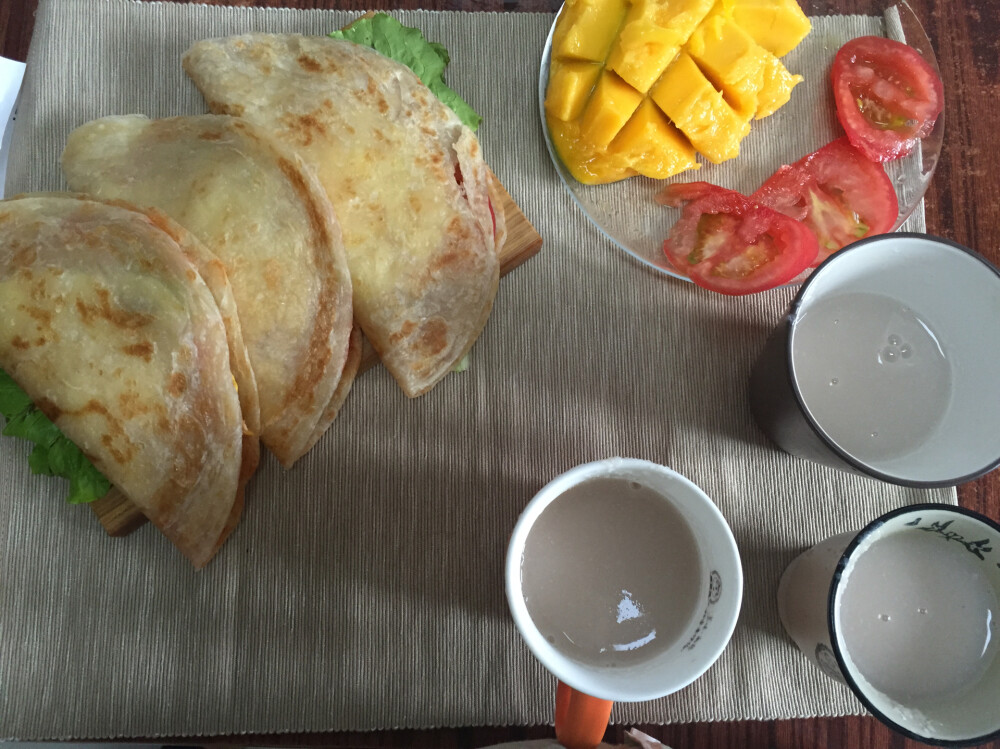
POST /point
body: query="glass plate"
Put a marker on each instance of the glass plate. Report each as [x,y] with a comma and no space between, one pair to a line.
[625,211]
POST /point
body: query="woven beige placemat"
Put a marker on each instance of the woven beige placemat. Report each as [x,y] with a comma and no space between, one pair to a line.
[363,589]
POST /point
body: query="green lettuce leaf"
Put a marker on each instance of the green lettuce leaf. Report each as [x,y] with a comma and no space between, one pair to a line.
[54,454]
[407,45]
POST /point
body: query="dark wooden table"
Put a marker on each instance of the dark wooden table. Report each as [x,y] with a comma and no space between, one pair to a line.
[962,204]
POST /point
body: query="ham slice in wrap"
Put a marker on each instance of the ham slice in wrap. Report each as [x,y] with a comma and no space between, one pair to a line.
[263,214]
[407,180]
[107,324]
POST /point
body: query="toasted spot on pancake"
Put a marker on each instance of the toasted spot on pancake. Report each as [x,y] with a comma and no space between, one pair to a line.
[433,337]
[177,384]
[42,316]
[131,405]
[96,407]
[218,107]
[164,224]
[122,454]
[210,135]
[186,466]
[39,292]
[50,409]
[115,441]
[449,260]
[121,318]
[19,343]
[405,330]
[303,128]
[24,256]
[458,231]
[143,350]
[309,64]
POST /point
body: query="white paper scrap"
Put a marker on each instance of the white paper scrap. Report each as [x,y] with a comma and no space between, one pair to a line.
[11,76]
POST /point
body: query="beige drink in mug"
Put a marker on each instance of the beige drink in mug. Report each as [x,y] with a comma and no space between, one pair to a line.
[887,363]
[906,613]
[624,580]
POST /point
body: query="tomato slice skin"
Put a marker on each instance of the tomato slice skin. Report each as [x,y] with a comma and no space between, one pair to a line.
[836,192]
[888,97]
[731,244]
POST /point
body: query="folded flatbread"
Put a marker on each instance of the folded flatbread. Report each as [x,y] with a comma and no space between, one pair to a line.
[263,214]
[407,180]
[109,327]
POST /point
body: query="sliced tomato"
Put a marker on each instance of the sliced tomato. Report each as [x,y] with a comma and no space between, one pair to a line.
[835,191]
[728,243]
[888,96]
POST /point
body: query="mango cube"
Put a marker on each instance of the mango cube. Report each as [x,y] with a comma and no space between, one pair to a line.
[731,60]
[643,86]
[652,35]
[651,145]
[609,108]
[776,25]
[586,29]
[570,84]
[777,88]
[691,102]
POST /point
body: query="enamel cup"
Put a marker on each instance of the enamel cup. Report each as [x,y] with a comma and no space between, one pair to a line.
[905,613]
[887,364]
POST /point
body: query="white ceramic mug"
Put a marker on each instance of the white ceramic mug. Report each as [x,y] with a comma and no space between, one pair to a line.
[899,612]
[702,640]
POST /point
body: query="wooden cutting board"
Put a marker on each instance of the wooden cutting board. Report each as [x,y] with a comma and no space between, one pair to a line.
[120,517]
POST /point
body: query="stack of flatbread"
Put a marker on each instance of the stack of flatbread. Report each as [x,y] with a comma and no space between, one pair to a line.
[331,194]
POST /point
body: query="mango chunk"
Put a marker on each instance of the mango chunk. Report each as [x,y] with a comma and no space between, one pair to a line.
[652,35]
[688,98]
[570,84]
[651,145]
[777,89]
[731,60]
[776,25]
[609,108]
[587,28]
[643,86]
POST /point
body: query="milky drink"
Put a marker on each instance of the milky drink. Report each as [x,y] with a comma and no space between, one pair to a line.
[872,374]
[611,573]
[918,616]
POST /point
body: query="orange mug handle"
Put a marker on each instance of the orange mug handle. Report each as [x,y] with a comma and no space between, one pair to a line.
[581,720]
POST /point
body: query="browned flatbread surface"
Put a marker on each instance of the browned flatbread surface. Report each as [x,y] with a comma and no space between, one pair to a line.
[407,180]
[263,214]
[108,326]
